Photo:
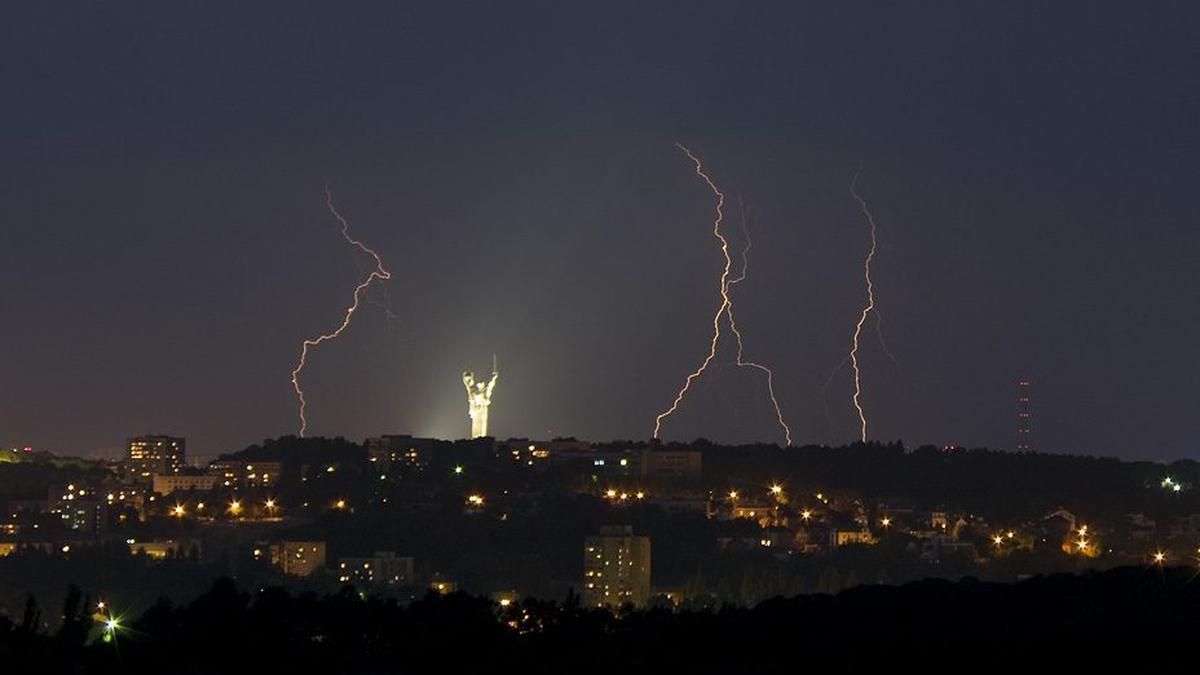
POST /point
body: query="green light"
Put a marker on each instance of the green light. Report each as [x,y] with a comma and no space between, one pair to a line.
[458,469]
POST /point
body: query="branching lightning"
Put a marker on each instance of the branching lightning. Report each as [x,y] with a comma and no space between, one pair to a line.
[724,310]
[378,273]
[741,362]
[870,305]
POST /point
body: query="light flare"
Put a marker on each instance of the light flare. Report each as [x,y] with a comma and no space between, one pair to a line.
[725,309]
[379,273]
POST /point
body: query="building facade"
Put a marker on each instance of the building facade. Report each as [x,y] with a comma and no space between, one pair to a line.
[670,465]
[166,484]
[240,474]
[385,568]
[399,451]
[147,456]
[296,558]
[616,568]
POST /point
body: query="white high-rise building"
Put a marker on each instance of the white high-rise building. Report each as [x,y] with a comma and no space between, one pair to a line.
[616,568]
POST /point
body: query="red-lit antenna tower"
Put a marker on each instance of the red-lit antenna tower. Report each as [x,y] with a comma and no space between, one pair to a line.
[1024,416]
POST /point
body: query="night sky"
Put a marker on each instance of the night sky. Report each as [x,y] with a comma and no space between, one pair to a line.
[164,247]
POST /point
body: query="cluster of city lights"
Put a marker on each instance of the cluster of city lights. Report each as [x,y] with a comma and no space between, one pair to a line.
[1171,484]
[619,496]
[998,539]
[110,623]
[235,507]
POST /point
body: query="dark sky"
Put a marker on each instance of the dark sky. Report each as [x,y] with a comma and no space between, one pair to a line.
[1034,169]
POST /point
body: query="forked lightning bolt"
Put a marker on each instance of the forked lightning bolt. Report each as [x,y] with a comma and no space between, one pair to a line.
[870,305]
[741,362]
[378,273]
[724,310]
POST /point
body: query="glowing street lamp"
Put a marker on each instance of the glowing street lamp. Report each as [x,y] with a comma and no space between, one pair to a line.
[1159,558]
[806,515]
[111,625]
[733,495]
[178,511]
[777,489]
[886,521]
[235,507]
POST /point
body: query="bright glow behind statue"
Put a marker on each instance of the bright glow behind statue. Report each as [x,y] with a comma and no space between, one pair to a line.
[724,310]
[378,273]
[479,398]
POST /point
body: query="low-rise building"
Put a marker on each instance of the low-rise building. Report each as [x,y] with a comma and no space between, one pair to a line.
[294,558]
[231,473]
[670,465]
[400,451]
[840,537]
[385,568]
[160,549]
[183,482]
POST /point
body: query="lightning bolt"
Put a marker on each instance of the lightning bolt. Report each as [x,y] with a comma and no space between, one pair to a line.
[378,273]
[870,305]
[724,310]
[741,362]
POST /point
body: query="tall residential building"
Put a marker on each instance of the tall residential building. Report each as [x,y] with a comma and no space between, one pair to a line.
[616,568]
[146,456]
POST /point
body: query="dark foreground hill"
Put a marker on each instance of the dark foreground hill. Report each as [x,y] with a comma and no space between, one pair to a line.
[1076,623]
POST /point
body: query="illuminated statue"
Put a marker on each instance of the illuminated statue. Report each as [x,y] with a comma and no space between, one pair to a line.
[479,397]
